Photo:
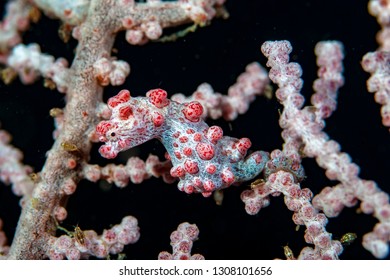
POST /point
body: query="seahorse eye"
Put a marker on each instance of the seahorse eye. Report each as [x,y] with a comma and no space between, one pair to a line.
[112,134]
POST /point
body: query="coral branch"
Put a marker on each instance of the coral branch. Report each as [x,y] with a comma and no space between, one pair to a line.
[17,19]
[30,63]
[12,171]
[329,59]
[146,21]
[297,200]
[378,65]
[181,242]
[3,242]
[301,124]
[111,71]
[135,170]
[381,10]
[83,244]
[252,82]
[72,12]
[59,178]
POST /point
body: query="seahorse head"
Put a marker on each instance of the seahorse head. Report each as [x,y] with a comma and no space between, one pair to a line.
[130,125]
[133,121]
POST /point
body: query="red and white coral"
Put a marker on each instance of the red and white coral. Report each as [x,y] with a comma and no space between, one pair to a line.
[82,244]
[181,241]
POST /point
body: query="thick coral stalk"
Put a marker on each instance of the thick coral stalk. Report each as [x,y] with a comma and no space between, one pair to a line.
[36,223]
[91,69]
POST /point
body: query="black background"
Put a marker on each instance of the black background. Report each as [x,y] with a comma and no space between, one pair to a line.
[216,54]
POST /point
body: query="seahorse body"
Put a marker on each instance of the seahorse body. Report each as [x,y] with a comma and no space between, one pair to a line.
[203,159]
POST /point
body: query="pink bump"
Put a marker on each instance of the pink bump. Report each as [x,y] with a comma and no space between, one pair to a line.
[214,133]
[72,163]
[177,171]
[197,182]
[127,22]
[193,111]
[197,137]
[107,151]
[188,189]
[187,151]
[125,112]
[158,97]
[176,134]
[183,139]
[211,168]
[124,143]
[122,97]
[191,167]
[158,119]
[243,145]
[205,151]
[258,158]
[227,176]
[206,194]
[208,186]
[177,154]
[103,127]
